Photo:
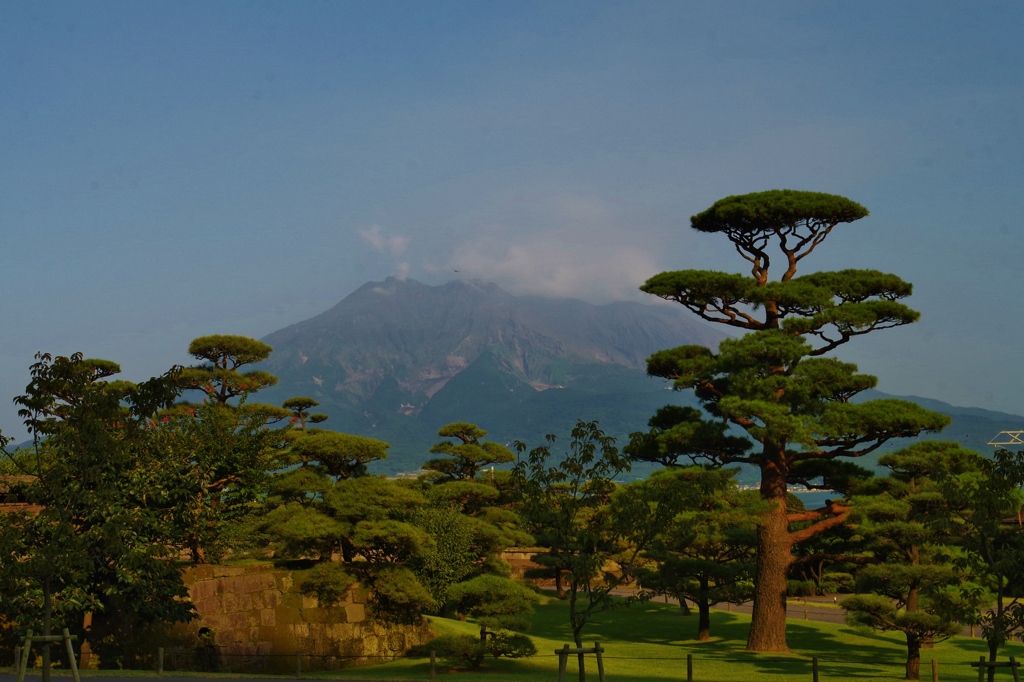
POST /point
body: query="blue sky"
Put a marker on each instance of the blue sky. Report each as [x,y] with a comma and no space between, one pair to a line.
[177,169]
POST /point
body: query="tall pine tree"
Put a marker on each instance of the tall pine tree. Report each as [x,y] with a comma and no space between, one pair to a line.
[776,382]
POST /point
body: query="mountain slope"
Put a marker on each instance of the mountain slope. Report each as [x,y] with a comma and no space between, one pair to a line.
[396,360]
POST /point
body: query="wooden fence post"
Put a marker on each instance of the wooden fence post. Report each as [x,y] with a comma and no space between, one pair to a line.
[814,668]
[600,661]
[433,664]
[935,670]
[1014,666]
[160,660]
[981,669]
[689,667]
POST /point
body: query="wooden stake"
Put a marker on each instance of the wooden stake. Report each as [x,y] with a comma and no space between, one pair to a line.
[160,661]
[71,655]
[689,667]
[935,670]
[600,661]
[563,658]
[433,663]
[814,668]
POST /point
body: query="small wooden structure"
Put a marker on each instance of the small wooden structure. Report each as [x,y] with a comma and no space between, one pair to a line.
[563,658]
[982,665]
[22,655]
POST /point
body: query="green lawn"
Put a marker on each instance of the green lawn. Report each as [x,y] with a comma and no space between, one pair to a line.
[650,642]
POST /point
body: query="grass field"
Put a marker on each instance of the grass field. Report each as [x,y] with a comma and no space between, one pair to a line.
[650,642]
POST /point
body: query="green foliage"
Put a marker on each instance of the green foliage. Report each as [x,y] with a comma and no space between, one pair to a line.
[565,508]
[705,553]
[217,460]
[453,555]
[468,650]
[338,454]
[397,596]
[98,536]
[328,582]
[497,603]
[774,382]
[220,379]
[982,516]
[913,587]
[468,455]
[299,407]
[776,210]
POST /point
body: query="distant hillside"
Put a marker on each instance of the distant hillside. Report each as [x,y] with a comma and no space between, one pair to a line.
[397,359]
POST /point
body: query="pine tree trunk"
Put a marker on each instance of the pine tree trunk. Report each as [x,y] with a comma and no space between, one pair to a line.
[704,604]
[768,622]
[704,621]
[913,658]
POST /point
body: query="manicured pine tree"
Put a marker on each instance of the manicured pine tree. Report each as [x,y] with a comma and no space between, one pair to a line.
[982,515]
[776,382]
[908,589]
[299,407]
[467,454]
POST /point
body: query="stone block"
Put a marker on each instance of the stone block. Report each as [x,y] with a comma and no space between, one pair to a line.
[230,602]
[288,615]
[301,629]
[259,582]
[271,599]
[355,613]
[216,621]
[208,607]
[202,590]
[234,584]
[284,581]
[268,617]
[309,602]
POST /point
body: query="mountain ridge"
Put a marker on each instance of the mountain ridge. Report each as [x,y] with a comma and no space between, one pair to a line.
[397,359]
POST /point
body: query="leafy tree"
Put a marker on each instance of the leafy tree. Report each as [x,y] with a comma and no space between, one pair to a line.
[219,461]
[98,534]
[910,582]
[775,382]
[982,515]
[467,454]
[497,603]
[706,552]
[575,509]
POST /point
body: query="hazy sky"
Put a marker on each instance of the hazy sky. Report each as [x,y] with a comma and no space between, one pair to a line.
[169,170]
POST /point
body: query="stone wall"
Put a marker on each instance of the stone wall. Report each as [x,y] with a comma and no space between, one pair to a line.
[257,620]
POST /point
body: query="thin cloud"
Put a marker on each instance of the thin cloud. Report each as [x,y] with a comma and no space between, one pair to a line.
[582,253]
[393,244]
